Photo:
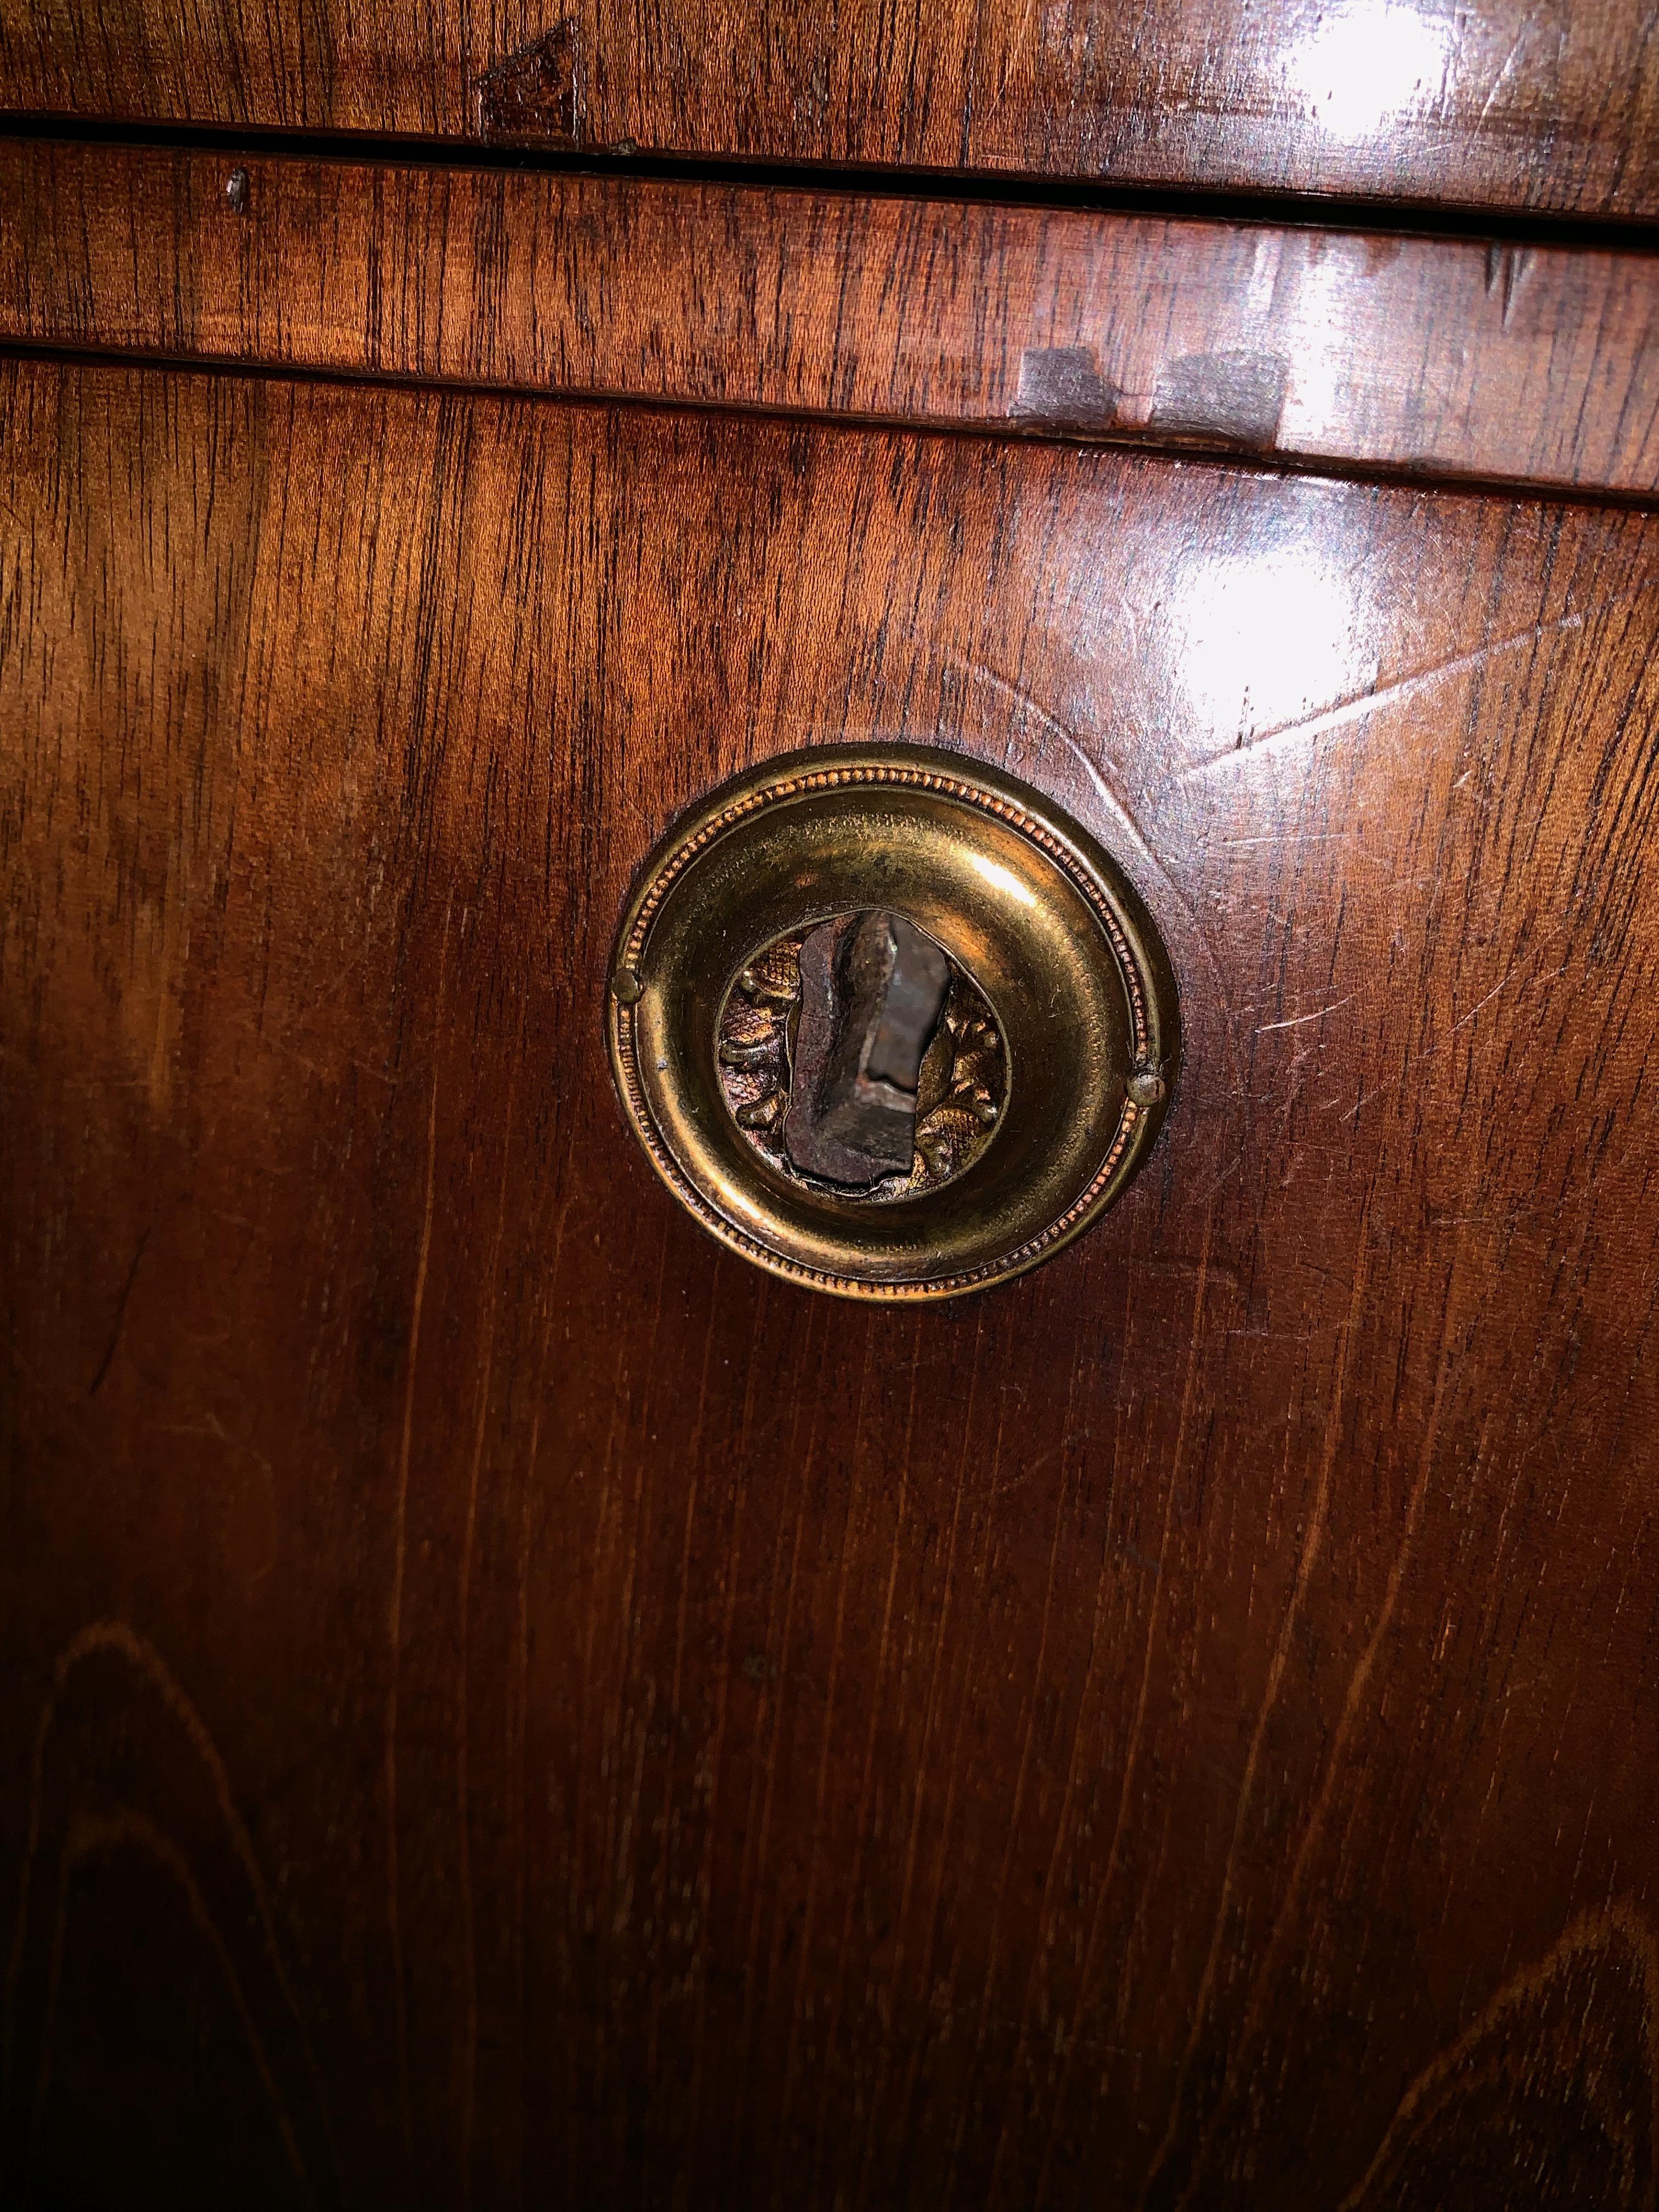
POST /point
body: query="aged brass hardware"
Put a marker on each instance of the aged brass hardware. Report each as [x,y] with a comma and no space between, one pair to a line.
[873,987]
[872,990]
[888,1022]
[877,1093]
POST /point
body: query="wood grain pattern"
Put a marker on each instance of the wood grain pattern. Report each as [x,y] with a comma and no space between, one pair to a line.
[1437,356]
[1502,105]
[500,1702]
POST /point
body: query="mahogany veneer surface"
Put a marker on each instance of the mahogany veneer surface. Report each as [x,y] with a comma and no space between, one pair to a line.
[500,1702]
[1520,363]
[1501,104]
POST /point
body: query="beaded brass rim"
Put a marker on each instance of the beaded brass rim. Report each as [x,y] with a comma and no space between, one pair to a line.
[1027,903]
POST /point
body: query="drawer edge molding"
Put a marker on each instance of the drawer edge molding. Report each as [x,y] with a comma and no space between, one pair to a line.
[1446,357]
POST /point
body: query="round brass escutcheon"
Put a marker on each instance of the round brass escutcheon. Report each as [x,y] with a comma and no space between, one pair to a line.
[889,1024]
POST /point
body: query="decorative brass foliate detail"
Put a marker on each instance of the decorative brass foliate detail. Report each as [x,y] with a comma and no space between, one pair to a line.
[959,1098]
[889,1023]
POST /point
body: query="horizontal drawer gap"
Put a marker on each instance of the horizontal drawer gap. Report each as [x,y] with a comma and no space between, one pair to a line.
[1361,351]
[1397,214]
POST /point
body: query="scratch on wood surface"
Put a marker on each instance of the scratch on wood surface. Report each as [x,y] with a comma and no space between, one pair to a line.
[1137,1726]
[913,1837]
[400,1524]
[941,1984]
[1296,1021]
[1312,1546]
[1006,1874]
[740,1460]
[847,1944]
[693,1492]
[1508,269]
[1306,728]
[1123,824]
[622,1819]
[978,671]
[1071,1436]
[462,1761]
[801,1457]
[872,1323]
[107,1361]
[1358,1682]
[1517,48]
[1517,971]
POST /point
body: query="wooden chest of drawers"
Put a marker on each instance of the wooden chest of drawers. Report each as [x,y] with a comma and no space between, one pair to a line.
[502,1701]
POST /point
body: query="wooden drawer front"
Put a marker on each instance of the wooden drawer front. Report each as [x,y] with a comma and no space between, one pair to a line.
[504,1703]
[1459,358]
[1499,105]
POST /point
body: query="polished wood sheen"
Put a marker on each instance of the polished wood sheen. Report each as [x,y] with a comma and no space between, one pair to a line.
[501,1702]
[1455,357]
[1504,105]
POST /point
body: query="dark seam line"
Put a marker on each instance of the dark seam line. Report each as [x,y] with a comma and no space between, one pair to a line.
[1013,431]
[1397,215]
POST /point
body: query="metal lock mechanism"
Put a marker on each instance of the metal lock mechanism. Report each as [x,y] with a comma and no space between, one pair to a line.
[888,1023]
